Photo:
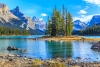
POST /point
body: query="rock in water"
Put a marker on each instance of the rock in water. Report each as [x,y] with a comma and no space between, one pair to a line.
[12,48]
[96,46]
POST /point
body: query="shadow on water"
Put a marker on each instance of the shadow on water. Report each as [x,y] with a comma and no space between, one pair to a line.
[59,49]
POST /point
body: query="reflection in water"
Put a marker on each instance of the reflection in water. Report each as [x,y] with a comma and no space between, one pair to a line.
[59,49]
[49,49]
[36,49]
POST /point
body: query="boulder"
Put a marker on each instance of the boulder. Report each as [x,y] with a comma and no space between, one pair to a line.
[96,46]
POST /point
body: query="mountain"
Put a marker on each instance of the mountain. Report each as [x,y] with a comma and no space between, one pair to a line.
[30,24]
[7,19]
[24,18]
[16,19]
[95,20]
[39,24]
[78,25]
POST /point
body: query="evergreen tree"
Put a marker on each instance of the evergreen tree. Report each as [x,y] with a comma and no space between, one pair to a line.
[66,25]
[93,30]
[63,21]
[8,31]
[49,28]
[60,23]
[53,32]
[70,24]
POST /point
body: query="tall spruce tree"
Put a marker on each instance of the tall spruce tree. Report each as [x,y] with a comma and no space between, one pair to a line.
[63,20]
[53,32]
[58,19]
[66,25]
[48,27]
[70,24]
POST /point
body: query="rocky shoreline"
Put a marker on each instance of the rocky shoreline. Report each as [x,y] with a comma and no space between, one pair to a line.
[17,61]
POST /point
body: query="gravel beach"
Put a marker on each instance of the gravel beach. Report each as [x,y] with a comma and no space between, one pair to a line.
[17,61]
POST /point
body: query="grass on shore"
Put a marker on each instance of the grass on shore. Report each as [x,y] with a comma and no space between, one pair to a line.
[69,38]
[37,63]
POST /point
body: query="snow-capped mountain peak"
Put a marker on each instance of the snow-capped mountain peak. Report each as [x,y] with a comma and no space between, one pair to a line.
[39,24]
[78,25]
[95,20]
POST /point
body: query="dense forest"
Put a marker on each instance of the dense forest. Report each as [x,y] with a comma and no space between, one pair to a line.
[90,30]
[93,30]
[8,31]
[59,23]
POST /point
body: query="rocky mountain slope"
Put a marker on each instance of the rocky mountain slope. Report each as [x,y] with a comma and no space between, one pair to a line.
[78,25]
[8,19]
[95,20]
[24,18]
[16,19]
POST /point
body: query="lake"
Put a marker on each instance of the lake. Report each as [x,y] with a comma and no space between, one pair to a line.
[48,49]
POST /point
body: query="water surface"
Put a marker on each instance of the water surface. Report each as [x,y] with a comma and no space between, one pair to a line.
[48,49]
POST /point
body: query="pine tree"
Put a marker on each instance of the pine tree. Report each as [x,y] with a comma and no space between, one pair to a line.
[58,19]
[49,28]
[66,25]
[60,23]
[53,32]
[63,20]
[70,24]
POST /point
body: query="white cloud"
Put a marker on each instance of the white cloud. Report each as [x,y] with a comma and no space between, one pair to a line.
[84,18]
[44,14]
[95,2]
[82,12]
[41,19]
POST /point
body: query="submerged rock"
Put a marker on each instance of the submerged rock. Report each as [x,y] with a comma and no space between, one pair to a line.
[12,48]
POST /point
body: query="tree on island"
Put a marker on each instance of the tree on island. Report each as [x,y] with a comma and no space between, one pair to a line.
[60,23]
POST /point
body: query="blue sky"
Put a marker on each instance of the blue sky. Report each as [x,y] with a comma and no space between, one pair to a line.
[80,9]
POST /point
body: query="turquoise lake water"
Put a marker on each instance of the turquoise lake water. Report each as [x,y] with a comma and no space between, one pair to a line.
[91,36]
[48,49]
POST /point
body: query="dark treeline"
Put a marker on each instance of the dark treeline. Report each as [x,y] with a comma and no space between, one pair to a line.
[93,30]
[8,31]
[60,23]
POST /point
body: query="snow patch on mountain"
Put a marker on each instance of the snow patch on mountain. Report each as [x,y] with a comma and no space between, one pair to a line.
[39,24]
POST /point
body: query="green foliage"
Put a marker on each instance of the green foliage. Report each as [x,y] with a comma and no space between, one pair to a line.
[69,25]
[49,29]
[8,31]
[63,21]
[60,23]
[94,30]
[54,22]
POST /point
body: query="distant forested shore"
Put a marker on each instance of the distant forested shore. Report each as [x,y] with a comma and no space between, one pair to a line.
[14,31]
[89,31]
